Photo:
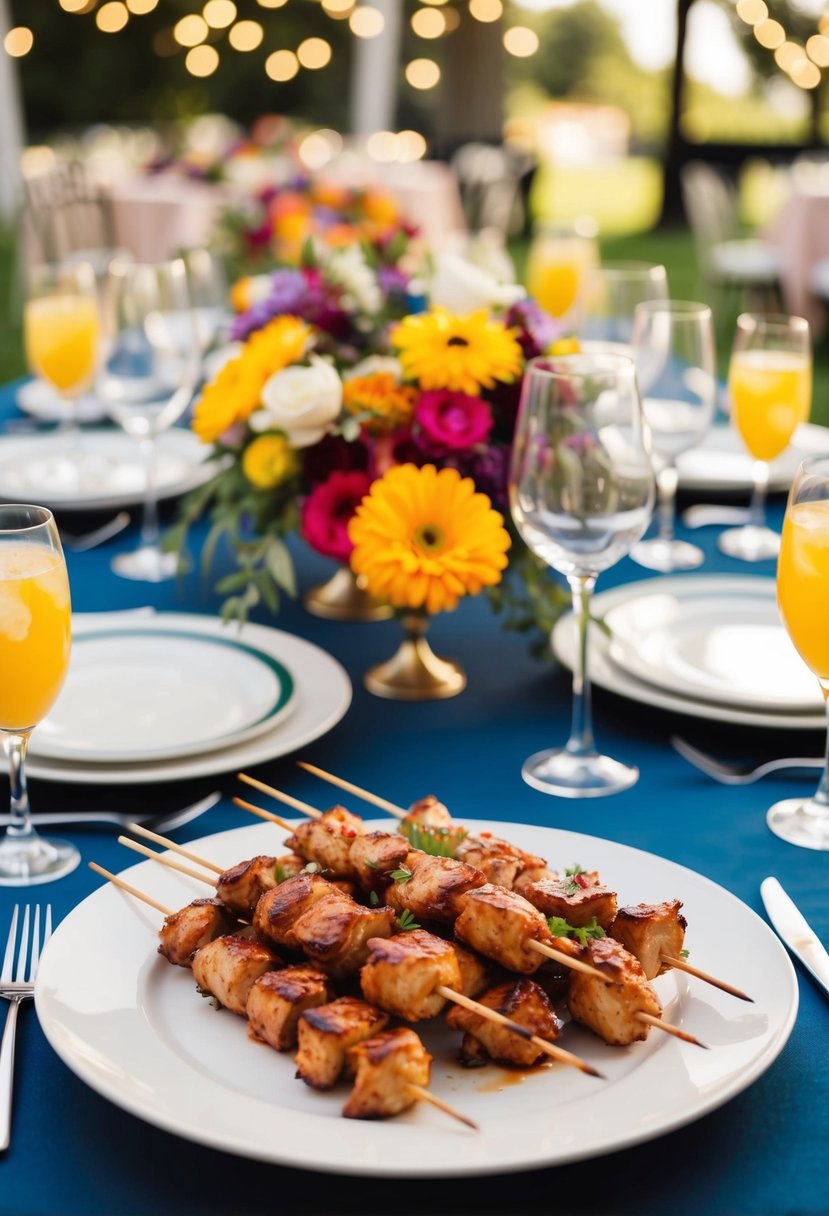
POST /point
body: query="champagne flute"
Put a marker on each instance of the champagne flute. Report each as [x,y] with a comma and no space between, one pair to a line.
[612,294]
[581,495]
[673,348]
[147,382]
[770,386]
[803,601]
[557,262]
[35,639]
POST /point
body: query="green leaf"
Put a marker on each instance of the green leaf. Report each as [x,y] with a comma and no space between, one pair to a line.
[437,842]
[401,875]
[280,565]
[374,899]
[559,927]
[406,921]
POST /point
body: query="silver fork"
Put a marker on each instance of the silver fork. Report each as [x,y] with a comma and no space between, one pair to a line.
[15,991]
[730,773]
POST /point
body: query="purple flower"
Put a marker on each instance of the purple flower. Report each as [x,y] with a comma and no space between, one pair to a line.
[536,329]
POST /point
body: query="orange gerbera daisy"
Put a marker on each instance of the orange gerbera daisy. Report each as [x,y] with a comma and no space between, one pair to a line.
[423,538]
[380,395]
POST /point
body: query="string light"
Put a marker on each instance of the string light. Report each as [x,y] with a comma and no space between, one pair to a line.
[770,34]
[112,17]
[486,10]
[366,22]
[521,41]
[201,60]
[787,55]
[139,8]
[422,73]
[805,74]
[282,65]
[411,146]
[245,35]
[219,14]
[429,22]
[752,11]
[190,30]
[19,41]
[817,48]
[272,3]
[382,147]
[314,53]
[453,19]
[77,6]
[338,10]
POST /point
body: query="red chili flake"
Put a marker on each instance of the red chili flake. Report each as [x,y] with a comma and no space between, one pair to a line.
[582,881]
[485,835]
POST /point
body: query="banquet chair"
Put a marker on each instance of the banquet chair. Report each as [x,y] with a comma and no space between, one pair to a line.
[67,217]
[494,182]
[728,264]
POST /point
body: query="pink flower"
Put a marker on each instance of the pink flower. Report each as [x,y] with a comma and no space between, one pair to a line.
[328,509]
[453,421]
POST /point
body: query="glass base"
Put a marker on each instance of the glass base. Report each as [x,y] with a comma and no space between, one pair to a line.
[667,555]
[801,822]
[571,776]
[750,544]
[30,860]
[146,565]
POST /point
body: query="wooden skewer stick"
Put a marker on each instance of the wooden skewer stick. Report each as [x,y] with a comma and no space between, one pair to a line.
[425,1095]
[659,1024]
[575,964]
[263,814]
[164,861]
[492,1015]
[367,796]
[682,965]
[304,807]
[125,886]
[173,847]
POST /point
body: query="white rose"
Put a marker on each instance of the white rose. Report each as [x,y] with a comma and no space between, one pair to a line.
[462,288]
[373,364]
[301,401]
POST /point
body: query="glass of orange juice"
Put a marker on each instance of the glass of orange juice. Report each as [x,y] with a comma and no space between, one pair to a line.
[557,263]
[35,638]
[803,601]
[770,386]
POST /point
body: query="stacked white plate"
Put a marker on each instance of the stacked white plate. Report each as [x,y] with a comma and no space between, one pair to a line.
[177,696]
[705,645]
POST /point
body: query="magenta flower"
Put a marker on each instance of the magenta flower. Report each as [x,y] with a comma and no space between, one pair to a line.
[453,422]
[327,510]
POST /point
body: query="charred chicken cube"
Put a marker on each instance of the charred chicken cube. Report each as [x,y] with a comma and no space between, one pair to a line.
[336,932]
[328,840]
[279,998]
[650,931]
[403,973]
[532,874]
[288,866]
[524,1002]
[432,888]
[190,928]
[386,1067]
[499,861]
[609,1006]
[278,910]
[477,973]
[326,1033]
[228,968]
[374,855]
[241,887]
[574,903]
[429,813]
[501,925]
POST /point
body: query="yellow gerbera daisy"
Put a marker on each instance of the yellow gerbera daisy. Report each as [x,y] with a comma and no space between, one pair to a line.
[282,341]
[424,538]
[389,404]
[461,354]
[269,461]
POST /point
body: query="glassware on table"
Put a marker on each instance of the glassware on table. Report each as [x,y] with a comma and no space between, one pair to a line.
[581,495]
[803,601]
[673,348]
[770,387]
[35,640]
[209,295]
[558,260]
[147,382]
[612,293]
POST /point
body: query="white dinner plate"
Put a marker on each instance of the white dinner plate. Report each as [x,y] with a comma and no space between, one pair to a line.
[138,694]
[38,398]
[322,695]
[107,472]
[134,1028]
[605,673]
[721,464]
[689,637]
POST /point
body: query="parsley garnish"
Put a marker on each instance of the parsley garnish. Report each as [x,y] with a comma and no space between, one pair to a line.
[406,921]
[372,865]
[573,870]
[572,887]
[684,953]
[279,873]
[401,875]
[374,899]
[559,927]
[437,842]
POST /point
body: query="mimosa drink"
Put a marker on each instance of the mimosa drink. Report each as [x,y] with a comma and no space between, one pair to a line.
[62,334]
[34,633]
[770,396]
[803,583]
[554,281]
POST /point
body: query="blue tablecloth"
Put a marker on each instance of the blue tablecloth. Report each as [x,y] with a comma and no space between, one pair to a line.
[762,1153]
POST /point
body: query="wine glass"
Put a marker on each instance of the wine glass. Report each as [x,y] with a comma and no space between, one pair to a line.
[35,639]
[207,283]
[770,386]
[558,259]
[673,348]
[803,601]
[62,336]
[581,494]
[611,295]
[147,382]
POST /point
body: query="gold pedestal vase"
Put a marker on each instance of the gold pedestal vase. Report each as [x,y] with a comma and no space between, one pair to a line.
[343,598]
[415,672]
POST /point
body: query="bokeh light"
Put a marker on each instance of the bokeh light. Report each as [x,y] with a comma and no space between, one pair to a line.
[19,41]
[382,146]
[140,8]
[817,48]
[112,17]
[282,65]
[338,10]
[190,30]
[245,35]
[411,146]
[314,53]
[422,73]
[429,22]
[219,14]
[752,11]
[787,55]
[272,3]
[485,10]
[770,34]
[317,149]
[201,60]
[521,41]
[366,22]
[77,6]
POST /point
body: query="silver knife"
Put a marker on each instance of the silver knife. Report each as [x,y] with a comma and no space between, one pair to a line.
[795,932]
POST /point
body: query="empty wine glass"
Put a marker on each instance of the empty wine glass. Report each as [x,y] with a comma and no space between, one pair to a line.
[147,382]
[612,293]
[581,495]
[207,284]
[673,348]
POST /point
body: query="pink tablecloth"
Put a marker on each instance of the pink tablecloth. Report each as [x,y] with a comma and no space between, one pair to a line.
[800,230]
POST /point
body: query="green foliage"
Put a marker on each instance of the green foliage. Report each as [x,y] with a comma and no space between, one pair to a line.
[559,927]
[437,842]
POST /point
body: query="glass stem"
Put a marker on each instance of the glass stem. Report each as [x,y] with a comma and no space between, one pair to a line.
[150,534]
[581,742]
[16,746]
[757,507]
[666,482]
[821,795]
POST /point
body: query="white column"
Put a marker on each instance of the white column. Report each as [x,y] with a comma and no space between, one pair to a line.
[11,126]
[375,64]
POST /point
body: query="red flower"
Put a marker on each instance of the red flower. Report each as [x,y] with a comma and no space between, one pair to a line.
[328,509]
[453,422]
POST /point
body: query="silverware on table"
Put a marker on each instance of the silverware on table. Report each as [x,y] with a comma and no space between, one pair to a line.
[16,990]
[163,822]
[735,773]
[704,515]
[80,543]
[796,932]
